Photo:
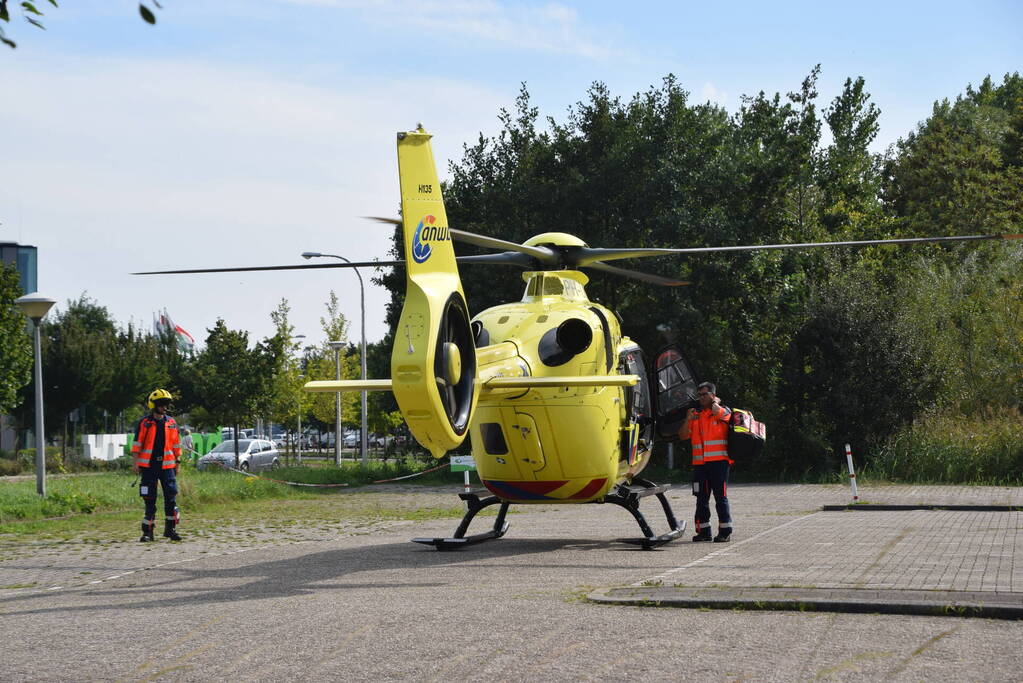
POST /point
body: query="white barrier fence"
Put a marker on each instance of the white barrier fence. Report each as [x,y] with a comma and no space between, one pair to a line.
[103,446]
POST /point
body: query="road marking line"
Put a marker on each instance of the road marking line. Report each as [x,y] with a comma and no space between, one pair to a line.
[717,553]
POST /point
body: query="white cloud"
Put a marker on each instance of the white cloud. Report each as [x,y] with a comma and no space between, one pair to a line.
[552,27]
[114,167]
[711,93]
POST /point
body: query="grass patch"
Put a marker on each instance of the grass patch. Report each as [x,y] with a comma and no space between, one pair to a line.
[113,491]
[985,449]
[280,515]
[354,474]
[105,502]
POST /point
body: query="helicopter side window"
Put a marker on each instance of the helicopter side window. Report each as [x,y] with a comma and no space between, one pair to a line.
[493,438]
[676,391]
[638,396]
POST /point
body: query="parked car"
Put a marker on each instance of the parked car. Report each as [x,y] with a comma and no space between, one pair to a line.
[351,440]
[253,455]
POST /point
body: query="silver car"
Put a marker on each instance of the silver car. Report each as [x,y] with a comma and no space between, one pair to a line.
[253,455]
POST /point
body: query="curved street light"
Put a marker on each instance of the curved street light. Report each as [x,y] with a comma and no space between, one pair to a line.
[35,306]
[362,305]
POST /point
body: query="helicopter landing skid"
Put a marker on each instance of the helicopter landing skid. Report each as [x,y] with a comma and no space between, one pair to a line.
[460,540]
[628,497]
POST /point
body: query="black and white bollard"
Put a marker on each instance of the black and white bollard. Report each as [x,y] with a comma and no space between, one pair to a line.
[852,472]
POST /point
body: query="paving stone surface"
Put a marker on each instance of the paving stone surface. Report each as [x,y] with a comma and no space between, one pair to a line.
[343,601]
[859,558]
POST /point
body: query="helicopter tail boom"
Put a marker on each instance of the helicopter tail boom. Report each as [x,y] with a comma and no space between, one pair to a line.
[433,361]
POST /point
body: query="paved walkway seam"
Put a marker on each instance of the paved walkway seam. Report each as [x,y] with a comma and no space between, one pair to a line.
[923,603]
[879,507]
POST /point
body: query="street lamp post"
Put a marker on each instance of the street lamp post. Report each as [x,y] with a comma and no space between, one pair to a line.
[337,346]
[364,450]
[35,306]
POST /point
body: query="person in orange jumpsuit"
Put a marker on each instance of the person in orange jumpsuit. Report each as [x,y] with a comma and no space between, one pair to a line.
[157,451]
[707,428]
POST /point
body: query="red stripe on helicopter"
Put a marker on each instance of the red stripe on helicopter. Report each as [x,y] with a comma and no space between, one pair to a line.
[523,490]
[590,489]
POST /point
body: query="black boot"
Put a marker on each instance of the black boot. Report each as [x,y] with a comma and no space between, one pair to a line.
[722,538]
[168,530]
[147,531]
[702,537]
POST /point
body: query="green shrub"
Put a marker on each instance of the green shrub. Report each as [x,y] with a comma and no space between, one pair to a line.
[10,467]
[116,465]
[939,448]
[54,461]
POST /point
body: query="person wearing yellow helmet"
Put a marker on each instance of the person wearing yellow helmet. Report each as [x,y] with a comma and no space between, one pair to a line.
[156,451]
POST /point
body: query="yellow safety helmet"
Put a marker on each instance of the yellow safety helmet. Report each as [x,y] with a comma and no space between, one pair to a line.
[156,396]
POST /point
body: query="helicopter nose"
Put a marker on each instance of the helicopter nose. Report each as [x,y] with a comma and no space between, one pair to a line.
[452,364]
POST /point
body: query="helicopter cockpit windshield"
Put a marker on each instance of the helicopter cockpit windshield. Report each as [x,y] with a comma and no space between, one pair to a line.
[565,284]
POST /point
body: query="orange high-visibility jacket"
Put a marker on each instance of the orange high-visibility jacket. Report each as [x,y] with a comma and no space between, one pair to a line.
[709,435]
[145,437]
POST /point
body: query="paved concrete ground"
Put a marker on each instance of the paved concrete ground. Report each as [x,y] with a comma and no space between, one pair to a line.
[918,562]
[346,602]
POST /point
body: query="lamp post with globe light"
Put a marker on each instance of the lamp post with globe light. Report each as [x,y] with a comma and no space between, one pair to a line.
[35,307]
[362,305]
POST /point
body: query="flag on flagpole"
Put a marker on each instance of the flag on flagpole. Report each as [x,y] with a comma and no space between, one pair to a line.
[164,326]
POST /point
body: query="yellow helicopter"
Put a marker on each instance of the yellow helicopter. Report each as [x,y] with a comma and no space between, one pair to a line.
[554,398]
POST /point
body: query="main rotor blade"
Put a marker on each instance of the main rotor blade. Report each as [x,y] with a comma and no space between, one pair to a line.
[636,275]
[581,256]
[384,219]
[506,258]
[301,266]
[509,258]
[542,254]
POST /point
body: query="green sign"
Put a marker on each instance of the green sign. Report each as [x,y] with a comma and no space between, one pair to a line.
[462,463]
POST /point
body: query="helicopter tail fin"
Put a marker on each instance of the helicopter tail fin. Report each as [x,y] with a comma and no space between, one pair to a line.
[433,361]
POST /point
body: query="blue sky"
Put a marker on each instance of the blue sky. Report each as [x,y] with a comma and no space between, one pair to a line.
[245,132]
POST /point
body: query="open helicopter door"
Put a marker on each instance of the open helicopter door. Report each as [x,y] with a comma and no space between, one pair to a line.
[433,362]
[674,391]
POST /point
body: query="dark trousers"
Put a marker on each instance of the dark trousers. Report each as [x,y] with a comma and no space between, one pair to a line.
[712,477]
[151,477]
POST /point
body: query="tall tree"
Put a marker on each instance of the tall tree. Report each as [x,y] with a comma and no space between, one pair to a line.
[850,174]
[287,399]
[232,381]
[951,175]
[16,359]
[322,365]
